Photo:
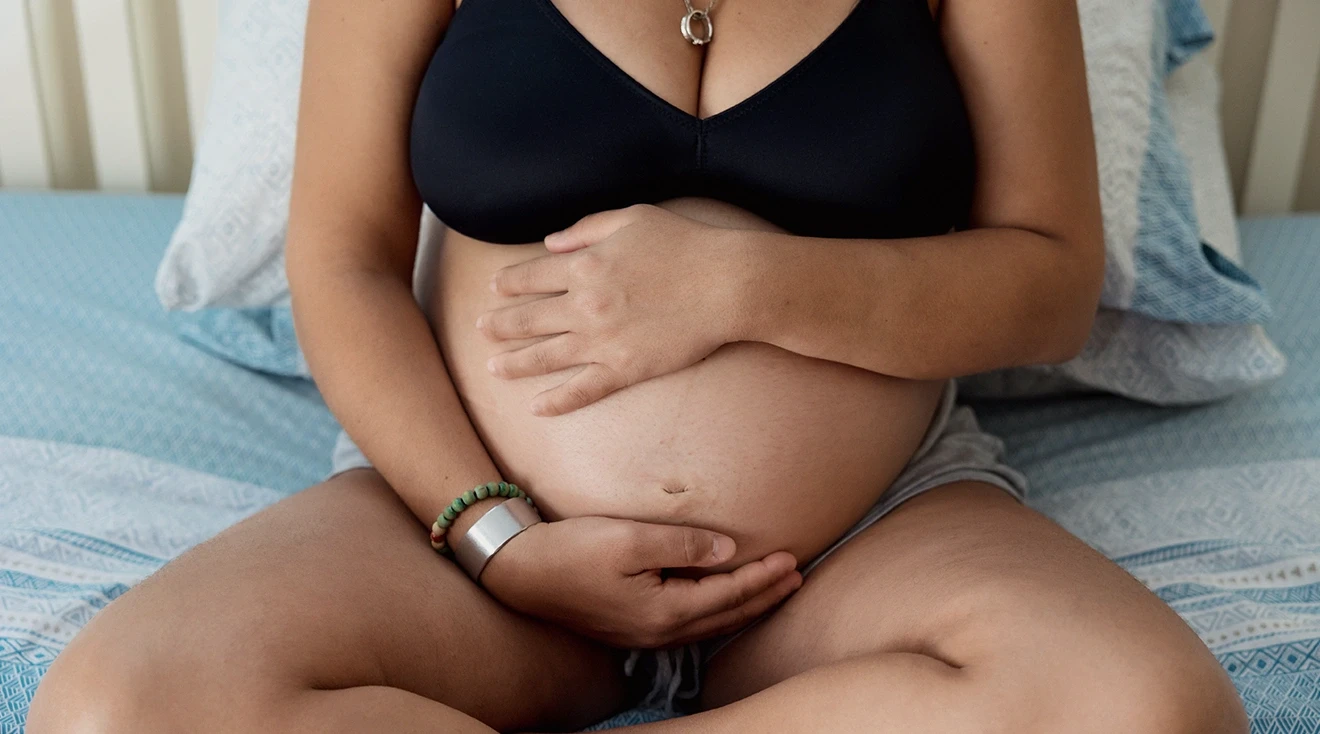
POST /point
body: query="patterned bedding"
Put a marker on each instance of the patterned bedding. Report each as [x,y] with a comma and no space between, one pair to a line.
[78,527]
[122,445]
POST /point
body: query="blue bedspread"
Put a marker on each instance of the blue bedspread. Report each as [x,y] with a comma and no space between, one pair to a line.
[121,445]
[87,355]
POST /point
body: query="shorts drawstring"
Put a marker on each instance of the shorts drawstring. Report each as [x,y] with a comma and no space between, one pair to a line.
[669,674]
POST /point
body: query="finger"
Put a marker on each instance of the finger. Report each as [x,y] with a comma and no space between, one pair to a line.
[541,358]
[542,317]
[579,391]
[711,595]
[652,547]
[591,229]
[732,620]
[545,274]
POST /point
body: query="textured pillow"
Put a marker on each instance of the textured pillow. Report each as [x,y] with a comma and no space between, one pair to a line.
[1155,263]
[1153,361]
[228,249]
[1178,322]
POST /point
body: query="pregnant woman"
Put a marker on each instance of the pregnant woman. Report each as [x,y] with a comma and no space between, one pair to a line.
[700,294]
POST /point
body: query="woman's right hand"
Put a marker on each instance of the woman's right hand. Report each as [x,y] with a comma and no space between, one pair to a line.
[601,577]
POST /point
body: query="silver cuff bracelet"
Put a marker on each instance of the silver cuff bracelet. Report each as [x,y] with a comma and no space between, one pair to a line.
[489,533]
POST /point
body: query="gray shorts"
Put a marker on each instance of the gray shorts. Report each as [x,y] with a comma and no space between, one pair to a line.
[953,450]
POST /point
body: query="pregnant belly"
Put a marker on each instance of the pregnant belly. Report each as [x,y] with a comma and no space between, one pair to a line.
[779,451]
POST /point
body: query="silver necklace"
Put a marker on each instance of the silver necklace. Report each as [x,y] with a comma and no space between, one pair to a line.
[695,15]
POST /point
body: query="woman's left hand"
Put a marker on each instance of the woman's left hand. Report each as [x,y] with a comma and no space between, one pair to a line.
[641,292]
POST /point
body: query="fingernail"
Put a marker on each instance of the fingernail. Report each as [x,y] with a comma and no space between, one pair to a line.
[480,321]
[490,365]
[553,238]
[721,548]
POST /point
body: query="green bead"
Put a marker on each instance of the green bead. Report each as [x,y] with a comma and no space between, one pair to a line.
[481,492]
[449,514]
[530,502]
[500,489]
[458,506]
[469,498]
[444,522]
[490,489]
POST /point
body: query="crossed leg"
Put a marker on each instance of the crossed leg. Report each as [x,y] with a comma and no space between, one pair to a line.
[327,612]
[960,612]
[964,611]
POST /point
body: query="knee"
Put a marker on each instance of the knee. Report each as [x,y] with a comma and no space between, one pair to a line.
[118,678]
[89,690]
[1189,697]
[1186,695]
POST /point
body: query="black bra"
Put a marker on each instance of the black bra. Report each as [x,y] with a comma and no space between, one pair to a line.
[522,127]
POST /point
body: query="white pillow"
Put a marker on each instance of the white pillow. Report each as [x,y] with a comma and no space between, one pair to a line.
[228,249]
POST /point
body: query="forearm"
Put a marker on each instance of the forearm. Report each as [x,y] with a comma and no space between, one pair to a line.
[926,308]
[378,366]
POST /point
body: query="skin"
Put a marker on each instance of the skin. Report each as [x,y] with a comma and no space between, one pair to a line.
[677,448]
[962,611]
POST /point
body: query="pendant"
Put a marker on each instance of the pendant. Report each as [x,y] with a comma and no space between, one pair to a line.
[698,16]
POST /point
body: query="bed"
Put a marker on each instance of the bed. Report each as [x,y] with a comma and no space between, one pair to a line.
[122,444]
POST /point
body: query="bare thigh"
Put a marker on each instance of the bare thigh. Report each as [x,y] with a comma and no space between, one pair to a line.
[967,581]
[334,588]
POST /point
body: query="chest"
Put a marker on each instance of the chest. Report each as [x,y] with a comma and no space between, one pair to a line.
[829,122]
[758,43]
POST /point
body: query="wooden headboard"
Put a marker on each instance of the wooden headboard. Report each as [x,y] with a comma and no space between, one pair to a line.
[108,94]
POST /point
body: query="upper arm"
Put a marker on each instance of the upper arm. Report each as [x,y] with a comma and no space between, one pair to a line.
[1023,75]
[353,199]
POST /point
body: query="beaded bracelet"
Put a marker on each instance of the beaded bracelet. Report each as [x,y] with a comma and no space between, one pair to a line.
[466,500]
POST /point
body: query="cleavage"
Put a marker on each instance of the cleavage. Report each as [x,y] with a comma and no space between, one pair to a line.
[755,45]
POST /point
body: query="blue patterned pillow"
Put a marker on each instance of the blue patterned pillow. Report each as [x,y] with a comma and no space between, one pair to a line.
[1179,321]
[1157,265]
[1189,32]
[259,338]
